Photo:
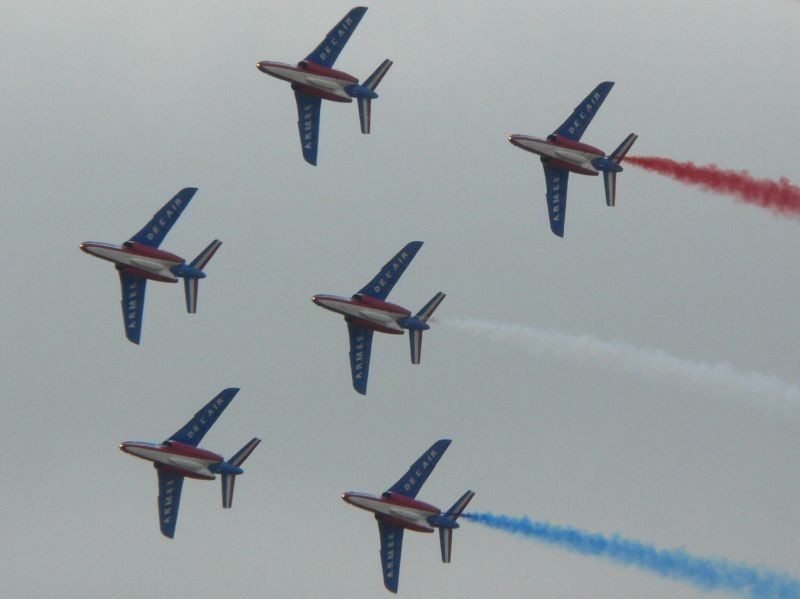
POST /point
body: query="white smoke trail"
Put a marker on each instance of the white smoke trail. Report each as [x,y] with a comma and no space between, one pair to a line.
[619,355]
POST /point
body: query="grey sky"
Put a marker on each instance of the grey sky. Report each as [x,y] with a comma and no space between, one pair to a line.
[110,108]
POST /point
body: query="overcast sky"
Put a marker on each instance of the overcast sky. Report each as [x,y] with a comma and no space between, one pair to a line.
[110,107]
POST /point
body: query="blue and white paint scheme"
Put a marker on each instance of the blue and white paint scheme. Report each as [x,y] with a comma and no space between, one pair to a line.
[139,259]
[397,509]
[562,153]
[314,79]
[179,457]
[368,311]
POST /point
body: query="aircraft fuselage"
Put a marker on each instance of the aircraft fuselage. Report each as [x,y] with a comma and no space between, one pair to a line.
[561,152]
[175,456]
[396,509]
[137,259]
[366,311]
[313,79]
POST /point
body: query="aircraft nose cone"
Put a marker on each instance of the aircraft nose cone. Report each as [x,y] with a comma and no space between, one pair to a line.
[262,66]
[83,246]
[315,299]
[124,446]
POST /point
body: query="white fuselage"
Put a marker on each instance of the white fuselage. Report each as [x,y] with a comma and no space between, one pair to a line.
[120,255]
[327,84]
[580,158]
[415,517]
[382,318]
[155,453]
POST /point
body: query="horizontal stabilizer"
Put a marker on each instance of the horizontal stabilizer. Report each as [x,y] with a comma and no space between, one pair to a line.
[228,481]
[618,154]
[610,182]
[244,453]
[373,80]
[428,309]
[203,257]
[415,339]
[365,113]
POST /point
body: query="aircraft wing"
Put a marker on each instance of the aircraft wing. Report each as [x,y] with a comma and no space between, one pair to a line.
[169,499]
[194,430]
[412,481]
[556,197]
[382,283]
[360,349]
[133,288]
[584,112]
[328,50]
[391,546]
[153,232]
[308,111]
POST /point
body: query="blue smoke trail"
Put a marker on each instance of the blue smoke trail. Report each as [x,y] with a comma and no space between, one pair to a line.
[708,574]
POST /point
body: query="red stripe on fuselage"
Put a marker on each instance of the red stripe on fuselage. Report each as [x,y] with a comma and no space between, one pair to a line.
[566,142]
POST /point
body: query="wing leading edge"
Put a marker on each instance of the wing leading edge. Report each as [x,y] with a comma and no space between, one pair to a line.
[584,112]
[169,499]
[154,232]
[556,179]
[308,111]
[360,350]
[133,289]
[194,430]
[411,482]
[329,48]
[391,546]
[381,284]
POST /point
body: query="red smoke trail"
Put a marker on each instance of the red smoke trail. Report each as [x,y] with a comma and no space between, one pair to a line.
[781,196]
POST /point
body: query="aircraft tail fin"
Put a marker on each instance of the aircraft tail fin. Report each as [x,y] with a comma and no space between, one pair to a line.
[190,283]
[415,333]
[232,468]
[446,531]
[610,176]
[365,100]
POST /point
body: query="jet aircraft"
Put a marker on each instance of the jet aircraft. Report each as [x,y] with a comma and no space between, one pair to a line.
[562,153]
[179,456]
[139,259]
[368,311]
[314,79]
[397,509]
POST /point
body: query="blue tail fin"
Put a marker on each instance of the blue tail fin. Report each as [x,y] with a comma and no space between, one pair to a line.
[610,176]
[415,333]
[230,469]
[446,532]
[190,284]
[365,100]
